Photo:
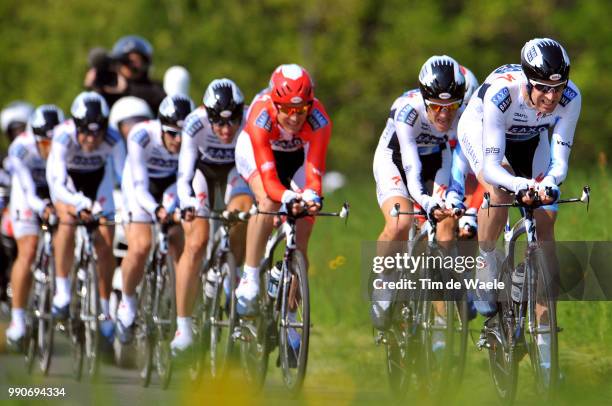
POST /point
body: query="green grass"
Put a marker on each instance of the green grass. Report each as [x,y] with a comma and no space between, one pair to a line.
[342,341]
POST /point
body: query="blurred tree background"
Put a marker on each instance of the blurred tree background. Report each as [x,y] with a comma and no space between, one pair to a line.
[362,54]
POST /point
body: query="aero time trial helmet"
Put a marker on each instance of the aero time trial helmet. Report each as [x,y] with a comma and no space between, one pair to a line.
[44,119]
[129,108]
[545,59]
[441,78]
[90,112]
[174,109]
[223,101]
[15,112]
[291,84]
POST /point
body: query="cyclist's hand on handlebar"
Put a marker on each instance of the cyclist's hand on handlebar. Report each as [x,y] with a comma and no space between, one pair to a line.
[188,213]
[314,202]
[548,192]
[439,214]
[526,196]
[295,206]
[85,216]
[161,214]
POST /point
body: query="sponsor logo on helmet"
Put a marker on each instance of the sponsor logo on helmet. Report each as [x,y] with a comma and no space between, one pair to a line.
[93,126]
[226,114]
[502,99]
[296,100]
[291,71]
[444,96]
[555,76]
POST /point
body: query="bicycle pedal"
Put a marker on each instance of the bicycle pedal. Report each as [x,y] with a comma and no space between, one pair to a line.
[482,343]
[237,335]
[380,338]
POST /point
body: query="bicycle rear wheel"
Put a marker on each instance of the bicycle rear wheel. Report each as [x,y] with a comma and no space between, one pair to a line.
[144,330]
[542,318]
[223,316]
[166,315]
[31,333]
[504,346]
[294,323]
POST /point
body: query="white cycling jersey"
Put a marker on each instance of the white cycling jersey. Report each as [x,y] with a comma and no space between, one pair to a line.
[149,166]
[67,157]
[407,139]
[201,144]
[499,123]
[29,193]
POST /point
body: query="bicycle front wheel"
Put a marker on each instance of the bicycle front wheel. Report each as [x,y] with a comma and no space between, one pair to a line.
[294,323]
[223,316]
[46,324]
[76,327]
[166,319]
[144,330]
[542,318]
[90,310]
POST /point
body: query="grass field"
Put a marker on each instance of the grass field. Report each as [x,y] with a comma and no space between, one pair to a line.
[343,349]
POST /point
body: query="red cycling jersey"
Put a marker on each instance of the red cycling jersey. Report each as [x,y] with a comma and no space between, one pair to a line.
[266,135]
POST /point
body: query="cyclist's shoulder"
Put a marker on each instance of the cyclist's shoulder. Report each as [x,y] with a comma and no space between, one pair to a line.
[196,121]
[142,133]
[407,107]
[65,132]
[318,119]
[571,97]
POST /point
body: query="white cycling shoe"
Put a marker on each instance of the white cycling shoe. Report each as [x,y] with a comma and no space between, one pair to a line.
[246,295]
[181,343]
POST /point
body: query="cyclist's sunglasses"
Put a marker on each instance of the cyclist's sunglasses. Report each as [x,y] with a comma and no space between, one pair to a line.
[438,107]
[99,131]
[172,132]
[291,109]
[221,121]
[543,87]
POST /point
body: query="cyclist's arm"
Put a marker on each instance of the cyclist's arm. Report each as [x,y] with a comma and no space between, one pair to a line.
[562,141]
[138,142]
[411,161]
[118,158]
[25,179]
[494,141]
[57,173]
[187,160]
[459,171]
[315,160]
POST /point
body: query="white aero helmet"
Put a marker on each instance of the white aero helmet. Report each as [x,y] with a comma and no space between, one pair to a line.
[17,111]
[176,81]
[126,108]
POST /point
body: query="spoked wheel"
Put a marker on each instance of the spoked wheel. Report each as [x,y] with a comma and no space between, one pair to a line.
[460,340]
[504,347]
[90,310]
[166,314]
[30,337]
[76,327]
[201,333]
[542,316]
[255,340]
[294,324]
[402,358]
[46,324]
[223,317]
[438,336]
[144,331]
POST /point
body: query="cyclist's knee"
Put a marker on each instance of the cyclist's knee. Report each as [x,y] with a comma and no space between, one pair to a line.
[397,231]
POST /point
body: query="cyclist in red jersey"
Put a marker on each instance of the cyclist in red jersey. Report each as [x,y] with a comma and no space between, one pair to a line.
[281,152]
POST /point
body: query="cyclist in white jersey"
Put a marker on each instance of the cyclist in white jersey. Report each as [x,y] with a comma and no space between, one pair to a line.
[149,194]
[29,202]
[504,133]
[77,178]
[413,152]
[206,164]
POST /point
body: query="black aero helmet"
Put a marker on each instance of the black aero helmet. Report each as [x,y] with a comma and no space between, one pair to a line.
[45,118]
[132,43]
[441,78]
[90,112]
[223,101]
[174,109]
[545,59]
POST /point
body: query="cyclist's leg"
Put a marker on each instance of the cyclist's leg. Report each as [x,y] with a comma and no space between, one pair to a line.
[63,253]
[238,196]
[21,280]
[103,242]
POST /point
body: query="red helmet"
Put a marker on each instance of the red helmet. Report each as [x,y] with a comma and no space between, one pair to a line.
[291,84]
